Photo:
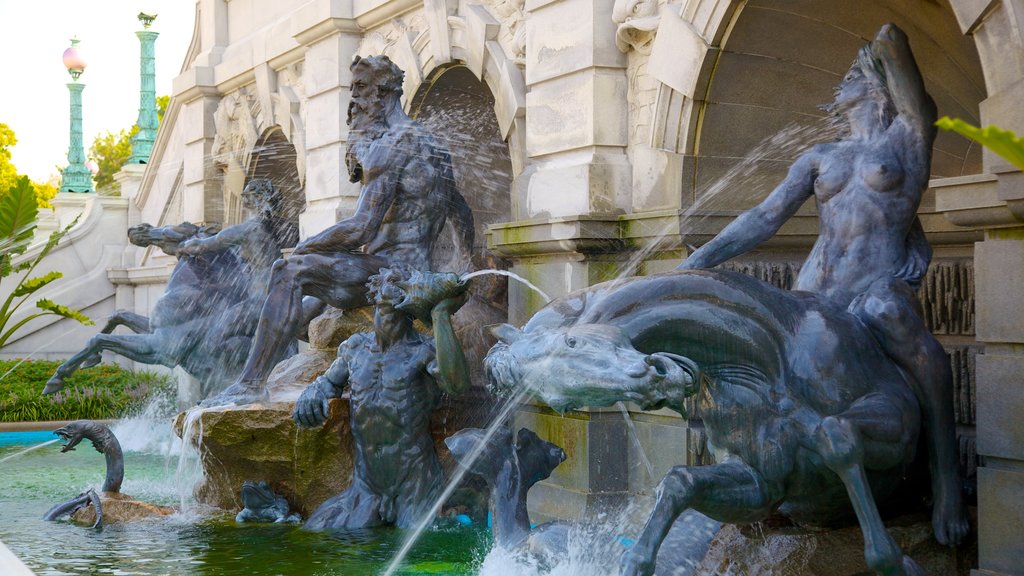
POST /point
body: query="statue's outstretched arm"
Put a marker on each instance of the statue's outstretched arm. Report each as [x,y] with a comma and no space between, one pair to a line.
[762,221]
[450,368]
[891,49]
[226,238]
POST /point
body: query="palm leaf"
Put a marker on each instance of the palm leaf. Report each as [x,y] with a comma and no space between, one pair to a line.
[32,284]
[1002,142]
[18,212]
[64,311]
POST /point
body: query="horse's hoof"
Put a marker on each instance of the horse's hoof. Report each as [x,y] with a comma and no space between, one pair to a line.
[54,385]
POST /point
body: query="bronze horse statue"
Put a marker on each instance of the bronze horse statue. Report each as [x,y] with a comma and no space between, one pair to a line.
[196,324]
[804,411]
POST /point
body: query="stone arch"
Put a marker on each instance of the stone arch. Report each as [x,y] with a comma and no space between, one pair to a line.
[458,108]
[732,112]
[474,40]
[275,158]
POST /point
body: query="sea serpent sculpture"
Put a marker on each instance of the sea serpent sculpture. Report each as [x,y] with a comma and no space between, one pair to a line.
[123,507]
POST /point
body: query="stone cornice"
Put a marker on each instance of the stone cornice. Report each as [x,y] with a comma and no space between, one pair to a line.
[979,201]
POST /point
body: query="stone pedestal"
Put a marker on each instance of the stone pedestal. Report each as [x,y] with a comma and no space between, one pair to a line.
[755,549]
[305,465]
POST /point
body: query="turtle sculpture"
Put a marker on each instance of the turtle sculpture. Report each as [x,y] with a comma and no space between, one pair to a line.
[262,504]
[109,505]
[805,413]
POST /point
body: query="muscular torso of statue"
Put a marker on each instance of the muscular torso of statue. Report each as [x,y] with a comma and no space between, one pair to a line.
[417,215]
[866,203]
[391,400]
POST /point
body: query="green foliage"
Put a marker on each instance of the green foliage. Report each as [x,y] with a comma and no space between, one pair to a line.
[9,174]
[111,150]
[105,391]
[1002,142]
[18,212]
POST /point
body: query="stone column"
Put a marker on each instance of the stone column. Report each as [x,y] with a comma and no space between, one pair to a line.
[331,37]
[995,203]
[196,88]
[566,205]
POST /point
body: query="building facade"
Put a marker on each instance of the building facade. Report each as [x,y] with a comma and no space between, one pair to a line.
[595,138]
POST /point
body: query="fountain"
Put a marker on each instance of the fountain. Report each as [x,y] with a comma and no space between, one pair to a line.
[811,401]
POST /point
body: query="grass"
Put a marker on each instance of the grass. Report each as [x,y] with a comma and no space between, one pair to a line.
[102,392]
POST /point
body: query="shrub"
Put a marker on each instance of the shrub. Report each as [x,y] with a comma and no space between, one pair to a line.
[102,392]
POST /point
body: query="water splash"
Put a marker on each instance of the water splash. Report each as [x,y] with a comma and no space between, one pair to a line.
[27,450]
[511,275]
[149,431]
[190,464]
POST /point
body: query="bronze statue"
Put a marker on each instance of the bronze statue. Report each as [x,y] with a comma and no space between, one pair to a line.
[394,376]
[408,192]
[184,318]
[804,410]
[871,253]
[204,321]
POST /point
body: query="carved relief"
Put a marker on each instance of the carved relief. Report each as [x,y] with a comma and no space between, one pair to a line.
[947,297]
[237,128]
[512,35]
[638,22]
[394,39]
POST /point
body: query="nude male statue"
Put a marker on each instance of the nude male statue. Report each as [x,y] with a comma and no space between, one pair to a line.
[394,376]
[871,253]
[408,192]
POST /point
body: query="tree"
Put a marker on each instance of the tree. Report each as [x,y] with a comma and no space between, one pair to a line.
[111,150]
[18,213]
[9,174]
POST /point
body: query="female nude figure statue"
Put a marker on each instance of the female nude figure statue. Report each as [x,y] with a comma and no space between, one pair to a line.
[871,253]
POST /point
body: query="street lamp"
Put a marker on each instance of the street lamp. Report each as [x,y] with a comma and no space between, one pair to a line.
[148,122]
[76,177]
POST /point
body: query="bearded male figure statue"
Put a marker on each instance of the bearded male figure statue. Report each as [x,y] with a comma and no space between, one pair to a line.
[408,192]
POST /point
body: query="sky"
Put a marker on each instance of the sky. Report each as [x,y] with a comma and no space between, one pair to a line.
[34,98]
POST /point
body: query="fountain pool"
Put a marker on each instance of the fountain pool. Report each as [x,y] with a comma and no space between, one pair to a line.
[191,543]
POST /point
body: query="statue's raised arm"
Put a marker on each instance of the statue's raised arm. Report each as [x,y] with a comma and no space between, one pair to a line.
[890,51]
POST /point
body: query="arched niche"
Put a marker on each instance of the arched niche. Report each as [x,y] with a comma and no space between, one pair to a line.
[781,59]
[459,111]
[275,158]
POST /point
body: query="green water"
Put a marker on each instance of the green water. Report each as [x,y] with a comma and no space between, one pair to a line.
[194,543]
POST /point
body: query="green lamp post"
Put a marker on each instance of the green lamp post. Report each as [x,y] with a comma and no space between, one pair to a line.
[142,142]
[76,177]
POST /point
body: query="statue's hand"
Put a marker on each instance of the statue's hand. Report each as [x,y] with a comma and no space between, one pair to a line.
[312,407]
[190,247]
[426,290]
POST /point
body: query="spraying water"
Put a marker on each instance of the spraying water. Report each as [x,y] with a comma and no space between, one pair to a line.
[511,275]
[636,440]
[27,450]
[454,482]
